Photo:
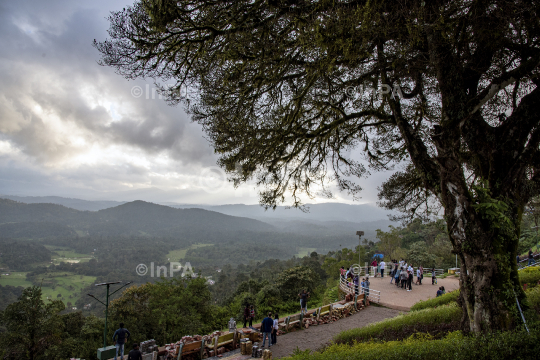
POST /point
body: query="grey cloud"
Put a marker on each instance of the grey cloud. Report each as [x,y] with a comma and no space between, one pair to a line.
[57,83]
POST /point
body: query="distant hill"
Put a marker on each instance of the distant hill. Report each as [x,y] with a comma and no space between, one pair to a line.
[134,218]
[76,204]
[316,212]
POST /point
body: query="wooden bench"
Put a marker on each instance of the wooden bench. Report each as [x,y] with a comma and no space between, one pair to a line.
[185,349]
[324,310]
[293,320]
[222,340]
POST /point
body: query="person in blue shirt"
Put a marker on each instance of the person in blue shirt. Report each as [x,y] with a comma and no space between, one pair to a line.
[120,337]
[266,328]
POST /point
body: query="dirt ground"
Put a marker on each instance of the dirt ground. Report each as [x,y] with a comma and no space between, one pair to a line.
[316,337]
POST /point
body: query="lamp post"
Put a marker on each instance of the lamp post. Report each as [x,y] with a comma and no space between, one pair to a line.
[106,303]
[360,234]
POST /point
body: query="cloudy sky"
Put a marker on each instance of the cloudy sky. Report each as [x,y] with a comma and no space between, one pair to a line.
[69,127]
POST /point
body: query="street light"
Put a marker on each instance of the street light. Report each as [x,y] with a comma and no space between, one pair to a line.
[360,234]
[106,303]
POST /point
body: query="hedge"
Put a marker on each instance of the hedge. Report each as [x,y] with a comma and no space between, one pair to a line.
[434,321]
[435,302]
[530,276]
[513,345]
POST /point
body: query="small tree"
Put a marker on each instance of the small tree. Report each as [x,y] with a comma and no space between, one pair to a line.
[32,326]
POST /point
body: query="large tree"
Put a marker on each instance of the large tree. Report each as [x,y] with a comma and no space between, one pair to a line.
[283,90]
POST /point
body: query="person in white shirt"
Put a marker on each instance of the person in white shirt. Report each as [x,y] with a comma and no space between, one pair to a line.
[418,277]
[383,265]
[275,329]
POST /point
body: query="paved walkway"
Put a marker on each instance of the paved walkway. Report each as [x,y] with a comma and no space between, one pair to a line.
[315,337]
[396,298]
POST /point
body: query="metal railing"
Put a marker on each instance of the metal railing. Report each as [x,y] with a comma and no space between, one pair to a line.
[349,287]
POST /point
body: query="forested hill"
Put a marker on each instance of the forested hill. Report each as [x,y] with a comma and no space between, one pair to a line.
[134,218]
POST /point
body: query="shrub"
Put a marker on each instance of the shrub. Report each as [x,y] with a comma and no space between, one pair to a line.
[530,276]
[438,301]
[504,345]
[434,321]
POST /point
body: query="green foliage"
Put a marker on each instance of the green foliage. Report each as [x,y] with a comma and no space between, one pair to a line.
[418,255]
[388,241]
[447,298]
[404,324]
[425,244]
[455,346]
[530,276]
[533,298]
[32,327]
[22,255]
[166,310]
[291,281]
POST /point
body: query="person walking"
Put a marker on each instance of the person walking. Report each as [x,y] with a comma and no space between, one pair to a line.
[421,274]
[135,354]
[342,272]
[303,301]
[120,337]
[383,265]
[266,327]
[418,277]
[275,329]
[433,276]
[397,272]
[410,279]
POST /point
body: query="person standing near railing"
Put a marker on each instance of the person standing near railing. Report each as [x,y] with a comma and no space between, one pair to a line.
[383,265]
[356,280]
[366,287]
[531,258]
[433,276]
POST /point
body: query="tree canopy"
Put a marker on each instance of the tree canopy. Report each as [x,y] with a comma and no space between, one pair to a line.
[286,88]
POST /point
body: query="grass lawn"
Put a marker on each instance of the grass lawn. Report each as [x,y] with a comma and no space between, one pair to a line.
[304,252]
[15,279]
[65,254]
[179,254]
[68,284]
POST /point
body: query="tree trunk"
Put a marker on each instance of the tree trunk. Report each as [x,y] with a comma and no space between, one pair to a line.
[488,252]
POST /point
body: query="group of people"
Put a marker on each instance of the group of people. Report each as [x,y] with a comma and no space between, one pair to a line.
[403,274]
[400,271]
[353,280]
[269,328]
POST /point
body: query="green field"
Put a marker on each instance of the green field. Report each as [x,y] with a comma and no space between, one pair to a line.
[14,279]
[67,284]
[65,254]
[304,252]
[179,254]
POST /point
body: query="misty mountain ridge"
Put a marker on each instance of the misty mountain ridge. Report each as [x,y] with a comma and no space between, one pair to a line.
[318,212]
[134,218]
